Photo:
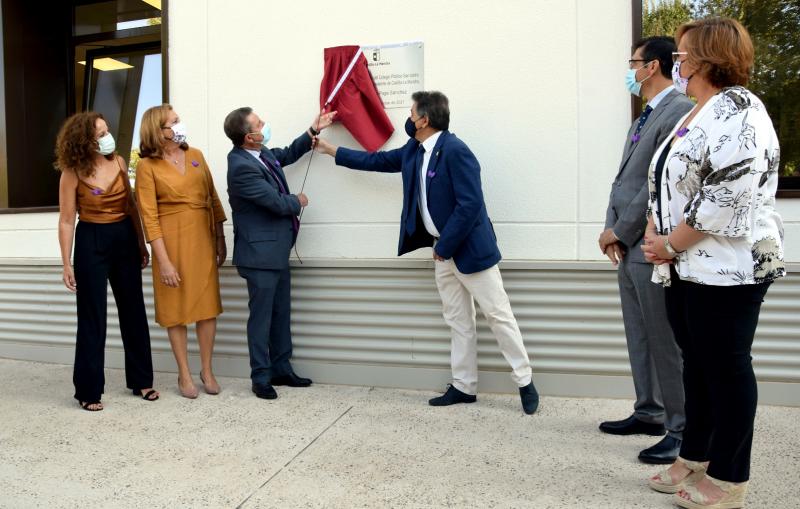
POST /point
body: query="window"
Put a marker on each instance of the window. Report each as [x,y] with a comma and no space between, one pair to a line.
[84,55]
[776,74]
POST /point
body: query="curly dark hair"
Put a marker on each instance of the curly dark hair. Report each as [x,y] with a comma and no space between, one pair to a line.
[76,145]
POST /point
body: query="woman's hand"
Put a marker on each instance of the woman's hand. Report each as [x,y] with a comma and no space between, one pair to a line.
[145,256]
[654,250]
[169,276]
[222,250]
[69,279]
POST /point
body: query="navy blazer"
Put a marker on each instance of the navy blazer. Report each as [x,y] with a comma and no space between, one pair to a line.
[262,215]
[455,200]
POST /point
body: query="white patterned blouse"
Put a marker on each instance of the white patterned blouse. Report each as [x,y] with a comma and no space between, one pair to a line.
[720,176]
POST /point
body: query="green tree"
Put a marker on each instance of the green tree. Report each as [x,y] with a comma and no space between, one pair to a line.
[773,26]
[134,160]
[663,18]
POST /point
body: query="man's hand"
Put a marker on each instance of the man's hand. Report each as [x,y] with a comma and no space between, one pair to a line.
[303,199]
[323,120]
[614,252]
[326,147]
[606,239]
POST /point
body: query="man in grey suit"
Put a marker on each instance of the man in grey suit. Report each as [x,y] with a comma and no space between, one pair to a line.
[265,227]
[654,356]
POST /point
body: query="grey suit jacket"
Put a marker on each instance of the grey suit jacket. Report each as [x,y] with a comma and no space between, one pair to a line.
[627,204]
[263,234]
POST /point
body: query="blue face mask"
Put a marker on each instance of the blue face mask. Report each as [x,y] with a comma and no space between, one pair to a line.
[266,132]
[634,87]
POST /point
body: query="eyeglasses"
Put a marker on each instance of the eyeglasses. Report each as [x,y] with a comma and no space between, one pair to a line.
[676,55]
[632,60]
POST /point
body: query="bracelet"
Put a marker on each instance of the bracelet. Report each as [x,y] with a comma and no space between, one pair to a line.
[671,251]
[313,131]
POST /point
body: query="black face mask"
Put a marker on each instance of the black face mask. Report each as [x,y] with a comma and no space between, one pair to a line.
[411,128]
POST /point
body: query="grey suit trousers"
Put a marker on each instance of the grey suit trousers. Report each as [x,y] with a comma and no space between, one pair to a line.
[269,336]
[655,357]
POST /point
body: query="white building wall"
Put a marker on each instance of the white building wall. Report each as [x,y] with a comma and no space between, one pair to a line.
[535,89]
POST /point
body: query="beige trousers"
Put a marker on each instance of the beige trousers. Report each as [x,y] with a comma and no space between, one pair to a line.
[459,293]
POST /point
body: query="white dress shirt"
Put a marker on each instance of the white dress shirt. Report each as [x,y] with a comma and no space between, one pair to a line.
[257,155]
[423,195]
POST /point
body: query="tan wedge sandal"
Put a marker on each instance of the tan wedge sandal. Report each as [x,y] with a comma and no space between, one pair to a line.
[664,483]
[733,498]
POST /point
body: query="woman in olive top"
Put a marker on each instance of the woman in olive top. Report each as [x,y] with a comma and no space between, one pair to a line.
[109,247]
[182,218]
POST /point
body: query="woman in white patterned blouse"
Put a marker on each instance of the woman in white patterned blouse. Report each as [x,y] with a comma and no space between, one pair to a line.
[716,242]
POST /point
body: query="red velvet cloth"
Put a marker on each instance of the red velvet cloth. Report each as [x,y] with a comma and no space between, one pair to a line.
[358,103]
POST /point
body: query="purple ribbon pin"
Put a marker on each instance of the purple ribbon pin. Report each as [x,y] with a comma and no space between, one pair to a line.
[195,164]
[97,191]
[682,132]
[432,173]
[635,138]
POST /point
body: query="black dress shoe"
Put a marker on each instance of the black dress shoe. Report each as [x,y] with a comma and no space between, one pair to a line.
[451,397]
[530,398]
[663,453]
[292,380]
[264,391]
[632,426]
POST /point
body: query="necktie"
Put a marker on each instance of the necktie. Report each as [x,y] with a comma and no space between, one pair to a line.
[420,175]
[640,124]
[411,218]
[283,190]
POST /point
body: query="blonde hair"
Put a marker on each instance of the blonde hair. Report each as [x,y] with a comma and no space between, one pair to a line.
[151,138]
[720,48]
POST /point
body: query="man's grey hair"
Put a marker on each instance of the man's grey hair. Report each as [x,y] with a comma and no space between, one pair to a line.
[236,125]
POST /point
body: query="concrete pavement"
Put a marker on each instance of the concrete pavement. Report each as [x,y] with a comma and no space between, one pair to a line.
[334,447]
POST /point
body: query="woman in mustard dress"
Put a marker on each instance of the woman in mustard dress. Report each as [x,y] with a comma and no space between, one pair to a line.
[182,218]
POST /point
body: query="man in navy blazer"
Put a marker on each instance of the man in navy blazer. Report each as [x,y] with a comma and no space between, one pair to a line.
[443,208]
[265,227]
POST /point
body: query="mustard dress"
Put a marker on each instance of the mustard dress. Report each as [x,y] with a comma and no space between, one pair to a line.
[183,210]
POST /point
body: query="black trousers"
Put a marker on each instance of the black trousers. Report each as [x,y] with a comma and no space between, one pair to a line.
[109,253]
[715,326]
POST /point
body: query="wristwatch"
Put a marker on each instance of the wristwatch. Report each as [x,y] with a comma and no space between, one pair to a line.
[670,250]
[313,131]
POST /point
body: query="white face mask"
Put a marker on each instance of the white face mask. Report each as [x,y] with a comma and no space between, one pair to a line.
[681,83]
[106,144]
[179,133]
